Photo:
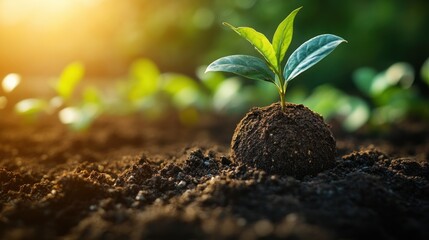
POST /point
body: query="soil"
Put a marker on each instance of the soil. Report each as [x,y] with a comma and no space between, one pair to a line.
[126,178]
[294,142]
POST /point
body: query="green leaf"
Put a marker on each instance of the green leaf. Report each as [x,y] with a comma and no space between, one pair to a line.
[144,79]
[243,65]
[283,35]
[310,53]
[260,42]
[79,118]
[69,79]
[364,79]
[31,106]
[183,91]
[173,83]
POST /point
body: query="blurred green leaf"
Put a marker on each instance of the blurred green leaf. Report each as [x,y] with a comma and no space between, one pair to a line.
[187,97]
[31,106]
[373,84]
[324,100]
[69,79]
[211,80]
[395,96]
[260,42]
[91,94]
[243,65]
[283,35]
[355,112]
[379,84]
[331,102]
[174,83]
[425,71]
[183,91]
[79,118]
[364,78]
[310,53]
[227,97]
[144,79]
[387,114]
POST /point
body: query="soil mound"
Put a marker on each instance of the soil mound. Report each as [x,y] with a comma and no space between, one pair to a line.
[293,142]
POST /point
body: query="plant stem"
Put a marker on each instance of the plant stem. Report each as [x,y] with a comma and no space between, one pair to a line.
[282,100]
[282,90]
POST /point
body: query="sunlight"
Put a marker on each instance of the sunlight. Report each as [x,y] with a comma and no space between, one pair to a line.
[12,11]
[10,82]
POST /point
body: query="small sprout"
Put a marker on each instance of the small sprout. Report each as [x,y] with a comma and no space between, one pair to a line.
[30,109]
[144,80]
[269,68]
[31,106]
[69,79]
[10,82]
[79,118]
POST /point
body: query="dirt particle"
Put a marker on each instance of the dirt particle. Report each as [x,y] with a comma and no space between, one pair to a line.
[181,184]
[263,228]
[140,196]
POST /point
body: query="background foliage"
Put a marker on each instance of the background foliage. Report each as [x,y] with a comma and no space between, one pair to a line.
[108,37]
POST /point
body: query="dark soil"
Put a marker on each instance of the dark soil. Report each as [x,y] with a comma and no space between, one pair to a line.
[127,179]
[294,142]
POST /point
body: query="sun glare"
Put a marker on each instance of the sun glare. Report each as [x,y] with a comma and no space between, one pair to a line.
[12,11]
[39,37]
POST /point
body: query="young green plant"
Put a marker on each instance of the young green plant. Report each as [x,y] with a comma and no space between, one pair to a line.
[269,68]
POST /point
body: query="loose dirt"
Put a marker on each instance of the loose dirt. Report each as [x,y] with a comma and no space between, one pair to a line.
[128,179]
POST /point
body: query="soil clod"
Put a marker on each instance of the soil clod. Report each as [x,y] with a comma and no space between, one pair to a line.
[294,142]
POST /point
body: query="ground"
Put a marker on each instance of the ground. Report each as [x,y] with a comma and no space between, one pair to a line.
[127,178]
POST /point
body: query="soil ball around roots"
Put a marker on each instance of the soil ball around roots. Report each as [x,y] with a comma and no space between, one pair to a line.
[295,142]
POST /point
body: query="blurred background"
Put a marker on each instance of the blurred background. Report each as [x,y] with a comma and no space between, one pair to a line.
[100,43]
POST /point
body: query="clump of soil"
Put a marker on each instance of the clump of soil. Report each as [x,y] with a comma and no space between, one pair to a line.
[294,142]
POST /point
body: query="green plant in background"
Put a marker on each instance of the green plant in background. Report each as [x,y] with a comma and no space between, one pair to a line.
[76,113]
[269,69]
[386,97]
[69,79]
[78,116]
[332,103]
[391,93]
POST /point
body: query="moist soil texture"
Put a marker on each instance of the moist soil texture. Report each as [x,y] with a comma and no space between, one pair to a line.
[125,178]
[294,141]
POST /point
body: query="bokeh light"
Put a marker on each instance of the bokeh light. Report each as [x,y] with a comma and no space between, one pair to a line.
[10,82]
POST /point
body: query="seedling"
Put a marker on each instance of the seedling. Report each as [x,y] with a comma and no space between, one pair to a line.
[269,68]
